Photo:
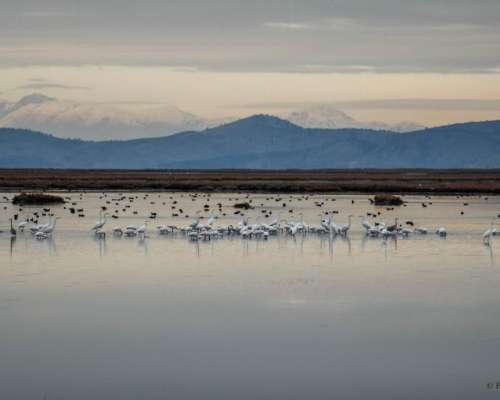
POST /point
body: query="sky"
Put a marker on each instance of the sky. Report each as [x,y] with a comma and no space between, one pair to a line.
[431,62]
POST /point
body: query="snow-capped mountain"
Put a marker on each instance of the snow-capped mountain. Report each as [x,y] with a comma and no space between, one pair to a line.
[327,117]
[322,116]
[103,121]
[70,119]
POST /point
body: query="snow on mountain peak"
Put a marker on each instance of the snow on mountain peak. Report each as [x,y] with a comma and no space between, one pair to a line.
[326,116]
[322,116]
[72,119]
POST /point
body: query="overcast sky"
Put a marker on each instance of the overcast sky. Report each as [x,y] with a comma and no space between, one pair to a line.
[353,49]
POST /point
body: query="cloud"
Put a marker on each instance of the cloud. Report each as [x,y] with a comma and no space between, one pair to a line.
[325,68]
[341,24]
[335,23]
[47,85]
[46,14]
[38,80]
[274,36]
[424,104]
[390,104]
[288,26]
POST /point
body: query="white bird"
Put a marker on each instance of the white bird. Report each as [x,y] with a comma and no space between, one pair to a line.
[40,227]
[98,225]
[243,223]
[130,232]
[441,232]
[22,225]
[142,229]
[406,231]
[343,229]
[50,229]
[195,223]
[294,228]
[211,220]
[333,226]
[276,221]
[385,232]
[164,229]
[489,233]
[41,235]
[365,223]
[325,223]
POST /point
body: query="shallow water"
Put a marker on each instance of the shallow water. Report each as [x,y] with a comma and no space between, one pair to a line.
[287,318]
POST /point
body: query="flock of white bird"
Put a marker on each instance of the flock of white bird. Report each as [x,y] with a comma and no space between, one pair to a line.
[198,230]
[39,231]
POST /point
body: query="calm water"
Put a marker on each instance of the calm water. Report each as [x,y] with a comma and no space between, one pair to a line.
[303,318]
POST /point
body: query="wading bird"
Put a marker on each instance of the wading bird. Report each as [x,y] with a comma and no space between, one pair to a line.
[50,229]
[489,233]
[344,229]
[98,225]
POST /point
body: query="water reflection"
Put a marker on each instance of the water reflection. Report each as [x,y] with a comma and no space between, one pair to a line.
[101,244]
[286,317]
[489,249]
[143,245]
[12,243]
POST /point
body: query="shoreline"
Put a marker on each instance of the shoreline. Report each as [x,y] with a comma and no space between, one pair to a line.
[404,181]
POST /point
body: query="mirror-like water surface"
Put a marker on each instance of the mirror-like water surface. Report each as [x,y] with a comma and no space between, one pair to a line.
[288,318]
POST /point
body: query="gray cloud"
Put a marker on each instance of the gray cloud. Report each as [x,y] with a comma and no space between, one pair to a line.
[258,35]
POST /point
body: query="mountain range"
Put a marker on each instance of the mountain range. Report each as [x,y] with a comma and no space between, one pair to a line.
[71,119]
[105,121]
[263,142]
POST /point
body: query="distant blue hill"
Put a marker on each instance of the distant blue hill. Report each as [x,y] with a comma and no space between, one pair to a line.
[263,142]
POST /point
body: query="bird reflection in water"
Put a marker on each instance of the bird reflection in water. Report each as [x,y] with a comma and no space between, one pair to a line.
[101,242]
[143,244]
[12,244]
